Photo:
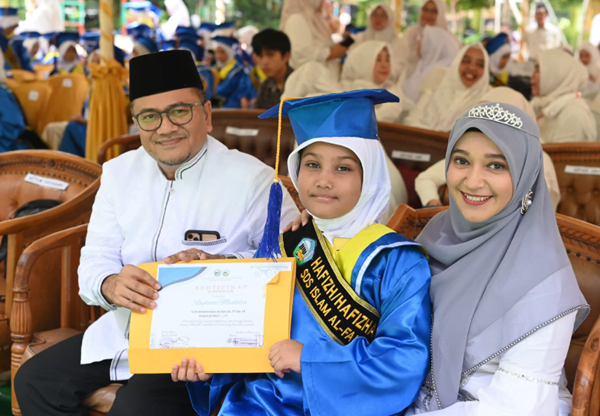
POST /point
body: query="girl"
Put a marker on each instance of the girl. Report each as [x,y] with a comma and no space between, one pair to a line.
[68,61]
[235,86]
[590,58]
[339,172]
[465,82]
[505,299]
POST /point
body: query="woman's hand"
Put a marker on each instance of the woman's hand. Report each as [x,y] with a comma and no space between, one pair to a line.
[300,221]
[189,371]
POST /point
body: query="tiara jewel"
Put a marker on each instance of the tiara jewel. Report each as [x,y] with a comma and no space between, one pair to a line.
[497,114]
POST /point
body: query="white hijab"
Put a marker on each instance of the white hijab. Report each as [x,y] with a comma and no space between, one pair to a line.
[496,57]
[415,32]
[387,34]
[308,8]
[376,187]
[230,54]
[593,68]
[438,49]
[357,73]
[180,16]
[451,99]
[62,50]
[46,18]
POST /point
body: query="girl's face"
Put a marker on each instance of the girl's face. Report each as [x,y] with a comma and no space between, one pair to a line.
[379,19]
[221,55]
[585,57]
[382,67]
[471,67]
[329,180]
[71,54]
[478,177]
[504,61]
[429,13]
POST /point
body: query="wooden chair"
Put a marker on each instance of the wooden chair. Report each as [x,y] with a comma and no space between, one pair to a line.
[118,146]
[287,182]
[82,179]
[33,97]
[43,71]
[69,92]
[582,242]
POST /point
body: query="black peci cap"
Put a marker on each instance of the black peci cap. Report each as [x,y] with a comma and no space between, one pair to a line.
[160,72]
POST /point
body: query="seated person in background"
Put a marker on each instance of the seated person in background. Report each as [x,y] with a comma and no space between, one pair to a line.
[339,172]
[36,46]
[15,53]
[505,71]
[67,61]
[589,56]
[174,183]
[505,298]
[12,120]
[427,184]
[190,43]
[143,46]
[235,86]
[465,82]
[563,116]
[272,48]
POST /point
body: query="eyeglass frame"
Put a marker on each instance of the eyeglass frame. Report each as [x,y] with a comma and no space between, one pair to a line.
[160,114]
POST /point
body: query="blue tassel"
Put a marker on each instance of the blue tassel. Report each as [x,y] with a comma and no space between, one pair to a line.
[269,245]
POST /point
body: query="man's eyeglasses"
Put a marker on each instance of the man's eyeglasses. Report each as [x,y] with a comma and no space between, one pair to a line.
[179,115]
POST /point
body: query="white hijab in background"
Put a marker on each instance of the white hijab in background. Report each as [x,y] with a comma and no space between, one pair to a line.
[562,115]
[180,16]
[245,36]
[46,18]
[591,87]
[62,50]
[438,49]
[439,108]
[42,50]
[309,34]
[374,197]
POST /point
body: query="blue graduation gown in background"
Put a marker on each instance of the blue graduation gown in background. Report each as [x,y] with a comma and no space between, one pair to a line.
[15,53]
[74,139]
[12,121]
[362,379]
[235,86]
[207,75]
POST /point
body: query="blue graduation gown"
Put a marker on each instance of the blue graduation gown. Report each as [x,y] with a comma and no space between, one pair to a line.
[12,121]
[15,53]
[207,75]
[381,378]
[74,139]
[235,86]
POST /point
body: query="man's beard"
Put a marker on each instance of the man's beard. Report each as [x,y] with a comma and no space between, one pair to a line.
[176,162]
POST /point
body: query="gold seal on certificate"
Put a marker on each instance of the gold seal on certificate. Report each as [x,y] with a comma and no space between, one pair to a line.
[224,313]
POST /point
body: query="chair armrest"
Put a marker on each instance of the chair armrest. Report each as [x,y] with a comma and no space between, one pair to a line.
[586,373]
[121,141]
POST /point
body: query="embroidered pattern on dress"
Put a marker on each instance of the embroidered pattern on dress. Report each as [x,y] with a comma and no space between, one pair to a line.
[496,113]
[524,377]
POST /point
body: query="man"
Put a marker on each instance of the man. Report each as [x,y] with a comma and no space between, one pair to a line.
[182,190]
[544,36]
[15,53]
[273,50]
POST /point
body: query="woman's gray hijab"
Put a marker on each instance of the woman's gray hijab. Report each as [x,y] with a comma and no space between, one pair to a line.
[481,270]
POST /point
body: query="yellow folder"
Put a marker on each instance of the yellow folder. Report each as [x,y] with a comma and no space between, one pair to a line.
[278,318]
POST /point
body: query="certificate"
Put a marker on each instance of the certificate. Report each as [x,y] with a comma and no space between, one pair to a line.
[226,314]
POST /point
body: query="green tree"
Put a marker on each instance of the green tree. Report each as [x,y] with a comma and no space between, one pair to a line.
[259,13]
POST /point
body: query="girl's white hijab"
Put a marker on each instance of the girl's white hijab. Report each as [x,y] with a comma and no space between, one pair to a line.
[496,57]
[308,8]
[387,34]
[451,99]
[593,68]
[375,194]
[357,72]
[438,49]
[441,16]
[229,51]
[62,50]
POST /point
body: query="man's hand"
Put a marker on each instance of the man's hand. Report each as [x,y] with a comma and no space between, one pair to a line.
[133,289]
[285,357]
[189,371]
[298,222]
[192,254]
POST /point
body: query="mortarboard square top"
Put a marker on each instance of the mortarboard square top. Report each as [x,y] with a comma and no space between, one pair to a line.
[66,36]
[227,41]
[346,114]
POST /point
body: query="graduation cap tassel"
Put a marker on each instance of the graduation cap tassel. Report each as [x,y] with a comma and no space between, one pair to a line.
[269,245]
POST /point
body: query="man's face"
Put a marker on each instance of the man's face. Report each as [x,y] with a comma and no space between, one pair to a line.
[540,16]
[172,145]
[272,62]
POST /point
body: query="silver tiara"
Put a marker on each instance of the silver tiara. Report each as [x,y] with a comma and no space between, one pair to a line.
[497,114]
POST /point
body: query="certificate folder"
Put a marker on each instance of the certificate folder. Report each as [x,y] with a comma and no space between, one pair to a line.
[235,359]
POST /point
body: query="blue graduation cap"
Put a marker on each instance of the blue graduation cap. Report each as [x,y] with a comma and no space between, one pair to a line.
[185,31]
[225,25]
[62,37]
[207,26]
[90,41]
[496,43]
[30,35]
[192,45]
[347,114]
[147,43]
[225,40]
[119,55]
[136,29]
[355,29]
[168,44]
[138,5]
[9,16]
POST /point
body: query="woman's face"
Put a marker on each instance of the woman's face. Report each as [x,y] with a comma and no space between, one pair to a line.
[478,177]
[585,57]
[504,61]
[379,19]
[221,55]
[429,13]
[471,67]
[382,68]
[70,54]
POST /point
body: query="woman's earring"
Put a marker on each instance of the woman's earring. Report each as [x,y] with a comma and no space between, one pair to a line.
[526,202]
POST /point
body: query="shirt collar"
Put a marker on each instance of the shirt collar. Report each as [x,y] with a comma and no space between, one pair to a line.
[192,164]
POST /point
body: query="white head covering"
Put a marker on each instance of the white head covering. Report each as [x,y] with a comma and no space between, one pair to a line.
[508,96]
[496,57]
[387,34]
[2,72]
[438,49]
[230,53]
[593,68]
[308,8]
[180,16]
[62,50]
[245,35]
[357,73]
[452,98]
[92,54]
[376,187]
[43,46]
[441,16]
[46,18]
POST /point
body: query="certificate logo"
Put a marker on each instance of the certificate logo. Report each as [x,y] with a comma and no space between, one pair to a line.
[305,251]
[217,273]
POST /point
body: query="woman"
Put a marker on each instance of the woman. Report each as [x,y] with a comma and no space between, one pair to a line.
[465,82]
[67,61]
[382,28]
[437,50]
[556,84]
[590,58]
[429,181]
[433,13]
[504,295]
[310,35]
